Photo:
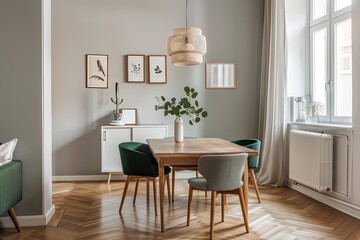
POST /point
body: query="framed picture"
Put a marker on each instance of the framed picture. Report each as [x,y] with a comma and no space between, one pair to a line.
[157,69]
[220,75]
[136,68]
[97,71]
[129,116]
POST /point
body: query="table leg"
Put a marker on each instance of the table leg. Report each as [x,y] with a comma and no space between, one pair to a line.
[161,190]
[246,185]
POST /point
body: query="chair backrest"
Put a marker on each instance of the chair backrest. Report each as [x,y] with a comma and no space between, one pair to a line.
[223,172]
[137,159]
[255,144]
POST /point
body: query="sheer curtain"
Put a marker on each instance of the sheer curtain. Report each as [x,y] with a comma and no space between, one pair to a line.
[272,124]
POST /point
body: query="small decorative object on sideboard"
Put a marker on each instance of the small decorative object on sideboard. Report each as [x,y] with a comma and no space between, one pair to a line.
[182,107]
[117,111]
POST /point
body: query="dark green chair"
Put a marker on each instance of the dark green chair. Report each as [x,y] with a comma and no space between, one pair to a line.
[138,162]
[11,189]
[253,161]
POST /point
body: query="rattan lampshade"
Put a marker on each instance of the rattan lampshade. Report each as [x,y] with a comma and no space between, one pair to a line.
[186,46]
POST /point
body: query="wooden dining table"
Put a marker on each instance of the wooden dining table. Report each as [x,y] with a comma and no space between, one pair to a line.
[167,152]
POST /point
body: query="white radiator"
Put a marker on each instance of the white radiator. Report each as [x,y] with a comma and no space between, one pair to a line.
[311,159]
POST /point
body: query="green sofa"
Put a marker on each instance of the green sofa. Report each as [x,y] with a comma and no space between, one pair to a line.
[10,189]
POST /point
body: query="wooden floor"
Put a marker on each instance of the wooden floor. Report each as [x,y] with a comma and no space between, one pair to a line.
[90,211]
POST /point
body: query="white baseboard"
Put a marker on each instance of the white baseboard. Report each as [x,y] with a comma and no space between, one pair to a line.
[340,205]
[79,178]
[29,221]
[50,213]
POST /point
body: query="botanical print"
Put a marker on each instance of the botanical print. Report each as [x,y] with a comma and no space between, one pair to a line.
[157,69]
[96,72]
[135,65]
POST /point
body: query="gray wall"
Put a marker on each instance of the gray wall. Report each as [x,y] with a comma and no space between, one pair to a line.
[233,29]
[20,93]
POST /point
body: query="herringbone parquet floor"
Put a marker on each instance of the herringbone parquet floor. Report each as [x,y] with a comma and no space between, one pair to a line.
[89,210]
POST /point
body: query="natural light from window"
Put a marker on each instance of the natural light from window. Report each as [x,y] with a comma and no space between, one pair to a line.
[319,9]
[331,59]
[340,4]
[343,70]
[320,66]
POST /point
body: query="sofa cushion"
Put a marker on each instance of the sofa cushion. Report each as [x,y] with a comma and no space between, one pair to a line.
[6,151]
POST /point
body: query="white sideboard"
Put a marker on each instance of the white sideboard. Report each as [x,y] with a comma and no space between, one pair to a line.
[112,136]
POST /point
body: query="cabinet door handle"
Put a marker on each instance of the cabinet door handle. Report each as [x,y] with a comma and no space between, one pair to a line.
[104,136]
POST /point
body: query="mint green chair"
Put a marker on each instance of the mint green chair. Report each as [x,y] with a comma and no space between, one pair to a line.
[221,174]
[138,162]
[253,161]
[11,189]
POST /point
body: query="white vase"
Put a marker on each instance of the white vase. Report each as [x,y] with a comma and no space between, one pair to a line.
[178,130]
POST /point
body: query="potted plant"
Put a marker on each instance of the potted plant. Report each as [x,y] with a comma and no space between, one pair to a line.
[117,112]
[187,106]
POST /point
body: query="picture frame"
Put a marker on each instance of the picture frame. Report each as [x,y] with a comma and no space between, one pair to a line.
[129,116]
[135,68]
[157,69]
[97,70]
[220,75]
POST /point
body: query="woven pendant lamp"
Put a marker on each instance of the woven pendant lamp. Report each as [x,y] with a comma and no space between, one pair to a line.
[186,46]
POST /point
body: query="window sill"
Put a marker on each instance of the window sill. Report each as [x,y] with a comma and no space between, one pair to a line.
[327,125]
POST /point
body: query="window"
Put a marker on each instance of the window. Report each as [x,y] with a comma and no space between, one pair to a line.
[331,58]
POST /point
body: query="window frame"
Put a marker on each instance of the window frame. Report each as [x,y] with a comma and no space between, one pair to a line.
[328,21]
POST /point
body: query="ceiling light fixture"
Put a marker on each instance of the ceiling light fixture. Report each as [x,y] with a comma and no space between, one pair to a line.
[186,46]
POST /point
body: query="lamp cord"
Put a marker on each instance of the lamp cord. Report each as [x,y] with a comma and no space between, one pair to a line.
[186,38]
[186,14]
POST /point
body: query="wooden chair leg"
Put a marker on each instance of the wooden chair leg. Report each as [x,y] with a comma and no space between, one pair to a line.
[253,179]
[124,193]
[189,205]
[14,219]
[109,178]
[136,189]
[222,207]
[168,187]
[173,184]
[245,214]
[212,213]
[155,203]
[147,190]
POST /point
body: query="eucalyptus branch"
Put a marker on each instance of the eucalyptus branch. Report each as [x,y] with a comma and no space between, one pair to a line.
[187,105]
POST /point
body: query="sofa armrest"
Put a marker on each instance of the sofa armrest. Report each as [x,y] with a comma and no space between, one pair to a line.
[10,185]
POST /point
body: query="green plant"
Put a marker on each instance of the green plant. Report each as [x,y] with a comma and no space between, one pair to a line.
[188,106]
[157,70]
[116,101]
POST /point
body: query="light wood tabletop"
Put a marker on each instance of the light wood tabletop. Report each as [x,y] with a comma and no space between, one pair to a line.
[168,152]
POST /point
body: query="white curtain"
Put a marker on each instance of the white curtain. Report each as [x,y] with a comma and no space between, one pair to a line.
[272,124]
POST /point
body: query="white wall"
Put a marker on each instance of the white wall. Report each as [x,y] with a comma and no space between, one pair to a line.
[234,33]
[297,31]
